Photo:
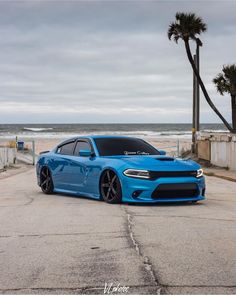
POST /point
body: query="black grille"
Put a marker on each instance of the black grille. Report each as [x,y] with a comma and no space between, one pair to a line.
[158,174]
[175,190]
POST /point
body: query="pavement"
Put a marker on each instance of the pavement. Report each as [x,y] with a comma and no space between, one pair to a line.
[57,244]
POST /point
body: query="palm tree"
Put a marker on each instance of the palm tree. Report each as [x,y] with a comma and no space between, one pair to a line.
[226,83]
[188,26]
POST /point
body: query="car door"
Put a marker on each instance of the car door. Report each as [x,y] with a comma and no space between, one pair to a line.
[62,164]
[85,178]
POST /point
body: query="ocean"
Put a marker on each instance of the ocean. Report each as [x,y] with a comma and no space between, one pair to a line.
[179,131]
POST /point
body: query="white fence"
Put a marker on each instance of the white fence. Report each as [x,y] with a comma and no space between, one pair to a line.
[221,149]
[223,154]
[7,156]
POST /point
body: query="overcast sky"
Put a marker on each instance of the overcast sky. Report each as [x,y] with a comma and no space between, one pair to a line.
[107,61]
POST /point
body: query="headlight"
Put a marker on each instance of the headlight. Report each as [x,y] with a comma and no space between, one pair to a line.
[137,173]
[199,173]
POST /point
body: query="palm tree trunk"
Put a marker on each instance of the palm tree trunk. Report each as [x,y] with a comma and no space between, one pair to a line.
[211,104]
[233,105]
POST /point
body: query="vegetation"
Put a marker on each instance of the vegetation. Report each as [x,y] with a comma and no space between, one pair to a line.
[187,26]
[226,83]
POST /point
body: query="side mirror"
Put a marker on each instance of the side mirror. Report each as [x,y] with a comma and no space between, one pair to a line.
[162,152]
[85,153]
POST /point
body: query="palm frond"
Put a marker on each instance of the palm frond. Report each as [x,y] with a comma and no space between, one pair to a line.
[176,38]
[230,73]
[186,26]
[226,81]
[174,32]
[171,30]
[220,83]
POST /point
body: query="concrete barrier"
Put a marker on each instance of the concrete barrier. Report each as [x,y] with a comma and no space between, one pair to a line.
[204,149]
[7,156]
[222,149]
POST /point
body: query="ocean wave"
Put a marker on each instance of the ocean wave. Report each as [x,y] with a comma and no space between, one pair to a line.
[215,131]
[33,129]
[46,134]
[170,133]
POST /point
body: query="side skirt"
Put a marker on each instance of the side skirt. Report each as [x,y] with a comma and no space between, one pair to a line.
[77,194]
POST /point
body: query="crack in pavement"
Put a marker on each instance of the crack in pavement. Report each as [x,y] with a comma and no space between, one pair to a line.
[27,203]
[87,288]
[200,286]
[64,234]
[182,216]
[102,287]
[146,261]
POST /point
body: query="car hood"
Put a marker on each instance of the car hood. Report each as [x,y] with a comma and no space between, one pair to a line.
[157,163]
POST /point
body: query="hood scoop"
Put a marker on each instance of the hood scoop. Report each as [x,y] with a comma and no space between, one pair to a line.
[165,159]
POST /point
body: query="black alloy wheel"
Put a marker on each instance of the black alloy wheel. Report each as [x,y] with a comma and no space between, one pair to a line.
[46,182]
[110,187]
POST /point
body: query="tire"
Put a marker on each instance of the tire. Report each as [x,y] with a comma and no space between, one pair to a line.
[46,182]
[110,187]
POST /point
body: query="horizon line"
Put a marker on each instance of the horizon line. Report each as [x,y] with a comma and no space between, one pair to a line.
[105,123]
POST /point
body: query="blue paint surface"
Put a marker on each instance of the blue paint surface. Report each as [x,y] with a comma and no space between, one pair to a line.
[79,175]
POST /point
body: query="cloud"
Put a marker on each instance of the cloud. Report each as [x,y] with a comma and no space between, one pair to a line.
[106,61]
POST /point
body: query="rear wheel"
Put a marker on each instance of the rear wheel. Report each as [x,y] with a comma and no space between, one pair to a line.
[110,187]
[46,182]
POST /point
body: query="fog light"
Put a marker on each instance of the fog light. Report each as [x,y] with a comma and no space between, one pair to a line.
[135,194]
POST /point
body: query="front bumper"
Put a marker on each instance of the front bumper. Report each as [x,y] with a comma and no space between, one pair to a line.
[136,190]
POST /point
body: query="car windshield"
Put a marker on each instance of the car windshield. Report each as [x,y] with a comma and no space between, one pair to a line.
[124,146]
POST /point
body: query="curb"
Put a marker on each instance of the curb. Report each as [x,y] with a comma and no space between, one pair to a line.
[220,176]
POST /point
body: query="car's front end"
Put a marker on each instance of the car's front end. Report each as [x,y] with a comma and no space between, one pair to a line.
[178,181]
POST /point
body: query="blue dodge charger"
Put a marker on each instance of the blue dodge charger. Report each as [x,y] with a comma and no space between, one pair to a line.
[119,169]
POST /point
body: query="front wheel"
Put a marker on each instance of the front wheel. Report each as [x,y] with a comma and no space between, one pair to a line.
[46,182]
[110,187]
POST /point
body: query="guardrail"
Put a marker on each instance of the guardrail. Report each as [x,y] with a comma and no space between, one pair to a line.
[24,150]
[175,152]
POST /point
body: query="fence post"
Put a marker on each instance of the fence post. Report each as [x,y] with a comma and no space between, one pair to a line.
[33,150]
[177,147]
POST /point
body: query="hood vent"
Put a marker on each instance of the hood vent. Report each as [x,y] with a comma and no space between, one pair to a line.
[166,159]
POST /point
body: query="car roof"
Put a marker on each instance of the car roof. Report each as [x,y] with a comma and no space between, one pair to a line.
[93,137]
[99,136]
[105,136]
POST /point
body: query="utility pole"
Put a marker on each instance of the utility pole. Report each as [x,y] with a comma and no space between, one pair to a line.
[194,112]
[196,99]
[199,44]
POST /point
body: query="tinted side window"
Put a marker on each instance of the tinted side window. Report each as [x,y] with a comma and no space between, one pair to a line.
[66,149]
[81,145]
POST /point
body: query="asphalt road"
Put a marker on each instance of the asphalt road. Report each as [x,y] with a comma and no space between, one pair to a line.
[69,245]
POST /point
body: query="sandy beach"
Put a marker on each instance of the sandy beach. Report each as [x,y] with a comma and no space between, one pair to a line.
[170,145]
[47,136]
